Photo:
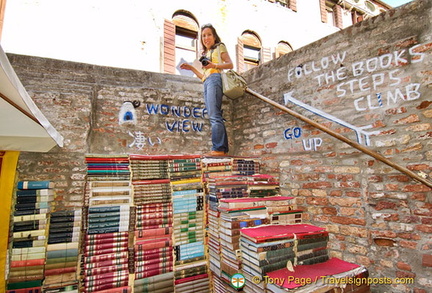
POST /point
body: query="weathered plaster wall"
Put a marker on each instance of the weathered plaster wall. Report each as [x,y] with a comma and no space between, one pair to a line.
[370,82]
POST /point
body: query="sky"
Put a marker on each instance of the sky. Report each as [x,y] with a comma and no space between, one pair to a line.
[396,3]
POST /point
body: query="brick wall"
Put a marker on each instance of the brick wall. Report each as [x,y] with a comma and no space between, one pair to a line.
[83,102]
[370,81]
[373,79]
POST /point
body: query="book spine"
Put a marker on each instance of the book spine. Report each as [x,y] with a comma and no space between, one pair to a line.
[26,263]
[107,269]
[34,217]
[106,263]
[105,257]
[109,284]
[59,271]
[26,290]
[123,289]
[34,185]
[106,251]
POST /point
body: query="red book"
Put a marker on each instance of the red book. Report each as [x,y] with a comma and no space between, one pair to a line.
[27,263]
[278,232]
[106,257]
[106,286]
[154,215]
[315,273]
[106,263]
[165,266]
[61,271]
[107,277]
[116,244]
[192,278]
[26,290]
[150,273]
[149,157]
[107,269]
[157,259]
[155,243]
[106,251]
[107,235]
[154,181]
[124,289]
[142,234]
[153,252]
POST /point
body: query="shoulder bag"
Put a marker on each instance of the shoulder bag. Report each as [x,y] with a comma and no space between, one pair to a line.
[233,84]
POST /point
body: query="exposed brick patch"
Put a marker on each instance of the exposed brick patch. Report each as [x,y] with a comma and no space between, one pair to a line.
[401,274]
[427,260]
[385,205]
[384,242]
[403,266]
[316,185]
[348,221]
[408,244]
[271,145]
[329,211]
[409,119]
[424,228]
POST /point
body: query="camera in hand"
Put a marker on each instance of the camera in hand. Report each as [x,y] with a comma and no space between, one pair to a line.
[204,60]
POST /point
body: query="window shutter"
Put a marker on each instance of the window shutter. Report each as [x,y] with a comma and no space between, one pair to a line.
[338,16]
[240,56]
[323,10]
[266,55]
[169,47]
[2,14]
[292,4]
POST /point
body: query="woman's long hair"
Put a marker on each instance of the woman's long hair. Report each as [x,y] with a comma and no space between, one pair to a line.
[215,34]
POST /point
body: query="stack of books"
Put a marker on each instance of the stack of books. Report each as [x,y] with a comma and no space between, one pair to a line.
[192,277]
[233,186]
[153,260]
[333,275]
[260,185]
[236,214]
[105,250]
[245,166]
[103,193]
[108,204]
[145,167]
[232,221]
[216,167]
[107,167]
[218,188]
[29,235]
[272,247]
[182,167]
[188,210]
[151,191]
[61,274]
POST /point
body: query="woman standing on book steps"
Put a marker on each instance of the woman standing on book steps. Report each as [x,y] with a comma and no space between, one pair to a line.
[215,58]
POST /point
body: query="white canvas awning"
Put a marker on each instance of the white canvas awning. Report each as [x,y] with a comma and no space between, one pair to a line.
[23,127]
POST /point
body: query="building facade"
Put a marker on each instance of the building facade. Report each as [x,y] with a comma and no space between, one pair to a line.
[158,36]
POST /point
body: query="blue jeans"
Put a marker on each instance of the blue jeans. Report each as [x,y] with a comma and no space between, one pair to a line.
[213,102]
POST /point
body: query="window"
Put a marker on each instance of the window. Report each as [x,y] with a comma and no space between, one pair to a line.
[334,14]
[347,18]
[283,48]
[251,50]
[330,16]
[186,39]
